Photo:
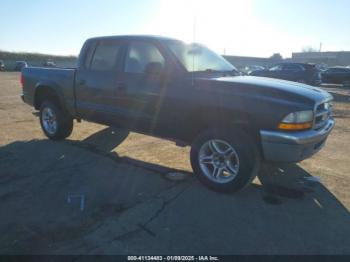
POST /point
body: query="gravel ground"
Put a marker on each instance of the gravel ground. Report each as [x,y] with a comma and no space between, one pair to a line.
[130,207]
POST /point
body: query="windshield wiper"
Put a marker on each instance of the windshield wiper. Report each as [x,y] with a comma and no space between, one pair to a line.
[209,70]
[232,72]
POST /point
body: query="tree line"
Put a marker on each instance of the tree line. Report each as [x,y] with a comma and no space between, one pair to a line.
[5,55]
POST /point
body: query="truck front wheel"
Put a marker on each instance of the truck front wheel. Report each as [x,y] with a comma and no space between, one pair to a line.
[225,161]
[54,122]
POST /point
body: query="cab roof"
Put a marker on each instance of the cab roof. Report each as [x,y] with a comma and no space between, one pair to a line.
[131,37]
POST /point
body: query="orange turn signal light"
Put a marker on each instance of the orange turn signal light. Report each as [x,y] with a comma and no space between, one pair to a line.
[295,126]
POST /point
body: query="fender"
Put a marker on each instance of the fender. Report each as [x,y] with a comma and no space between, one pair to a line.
[53,88]
[215,117]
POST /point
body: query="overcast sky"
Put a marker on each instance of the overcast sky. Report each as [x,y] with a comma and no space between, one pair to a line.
[240,27]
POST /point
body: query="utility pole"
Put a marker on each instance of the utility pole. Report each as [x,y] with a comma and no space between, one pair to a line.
[194,40]
[320,47]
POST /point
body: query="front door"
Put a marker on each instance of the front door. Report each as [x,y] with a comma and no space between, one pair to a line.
[292,72]
[142,86]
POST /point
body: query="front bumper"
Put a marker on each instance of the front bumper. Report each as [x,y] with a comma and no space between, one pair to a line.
[294,147]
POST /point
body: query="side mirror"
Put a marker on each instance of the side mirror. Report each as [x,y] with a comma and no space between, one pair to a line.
[154,69]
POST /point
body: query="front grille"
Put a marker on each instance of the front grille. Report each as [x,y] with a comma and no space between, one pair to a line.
[322,114]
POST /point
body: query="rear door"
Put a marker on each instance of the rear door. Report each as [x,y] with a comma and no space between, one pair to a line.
[96,82]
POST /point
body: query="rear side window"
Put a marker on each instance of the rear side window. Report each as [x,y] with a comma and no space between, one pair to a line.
[105,56]
[276,68]
[309,66]
[141,55]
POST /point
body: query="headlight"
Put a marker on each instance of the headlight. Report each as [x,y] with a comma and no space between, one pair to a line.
[297,121]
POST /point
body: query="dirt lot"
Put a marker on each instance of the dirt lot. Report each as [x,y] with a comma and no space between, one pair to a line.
[131,208]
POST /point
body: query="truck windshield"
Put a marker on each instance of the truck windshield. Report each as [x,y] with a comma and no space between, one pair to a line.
[198,58]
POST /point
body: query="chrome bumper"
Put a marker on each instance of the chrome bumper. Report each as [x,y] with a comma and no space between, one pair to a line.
[294,147]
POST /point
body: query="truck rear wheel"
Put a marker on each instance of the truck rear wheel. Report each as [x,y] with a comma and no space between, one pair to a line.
[225,161]
[54,122]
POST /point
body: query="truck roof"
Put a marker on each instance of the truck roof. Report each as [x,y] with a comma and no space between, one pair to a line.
[129,37]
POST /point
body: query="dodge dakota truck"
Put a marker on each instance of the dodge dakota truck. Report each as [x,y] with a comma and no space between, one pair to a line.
[188,94]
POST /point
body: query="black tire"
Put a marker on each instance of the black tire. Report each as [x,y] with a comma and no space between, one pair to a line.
[245,148]
[64,121]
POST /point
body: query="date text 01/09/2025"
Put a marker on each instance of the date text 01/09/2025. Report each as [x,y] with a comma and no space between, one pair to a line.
[173,258]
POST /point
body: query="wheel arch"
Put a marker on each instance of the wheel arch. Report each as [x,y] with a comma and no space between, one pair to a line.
[207,118]
[45,91]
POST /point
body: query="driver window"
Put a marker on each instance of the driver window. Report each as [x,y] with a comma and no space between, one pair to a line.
[290,67]
[143,57]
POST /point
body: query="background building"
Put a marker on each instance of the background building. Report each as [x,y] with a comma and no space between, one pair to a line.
[340,58]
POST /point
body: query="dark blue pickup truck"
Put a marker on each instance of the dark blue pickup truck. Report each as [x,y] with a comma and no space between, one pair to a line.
[185,93]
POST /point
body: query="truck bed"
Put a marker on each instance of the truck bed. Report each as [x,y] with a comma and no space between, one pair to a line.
[62,80]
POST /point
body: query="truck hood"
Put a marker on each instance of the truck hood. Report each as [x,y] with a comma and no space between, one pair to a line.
[274,87]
